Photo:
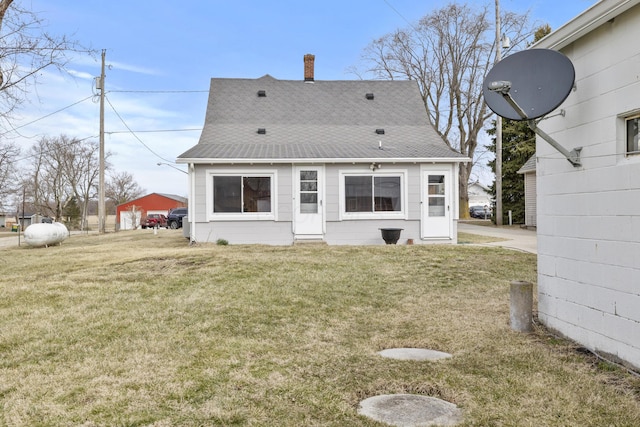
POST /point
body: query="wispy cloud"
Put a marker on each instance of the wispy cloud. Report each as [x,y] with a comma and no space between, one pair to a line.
[94,62]
[133,68]
[81,74]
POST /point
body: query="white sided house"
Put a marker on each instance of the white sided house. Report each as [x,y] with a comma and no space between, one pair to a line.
[588,220]
[283,161]
[479,195]
[528,171]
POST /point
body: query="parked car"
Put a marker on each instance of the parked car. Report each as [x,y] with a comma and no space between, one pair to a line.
[155,220]
[175,217]
[481,212]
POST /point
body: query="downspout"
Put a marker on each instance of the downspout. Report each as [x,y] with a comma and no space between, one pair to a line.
[190,203]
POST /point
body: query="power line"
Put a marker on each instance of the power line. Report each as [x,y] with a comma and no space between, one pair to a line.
[71,142]
[133,133]
[400,15]
[159,91]
[13,129]
[155,131]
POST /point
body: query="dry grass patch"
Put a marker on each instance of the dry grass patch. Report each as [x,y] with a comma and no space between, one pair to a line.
[141,329]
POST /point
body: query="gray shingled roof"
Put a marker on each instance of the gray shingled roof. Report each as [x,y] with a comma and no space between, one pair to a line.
[329,120]
[529,165]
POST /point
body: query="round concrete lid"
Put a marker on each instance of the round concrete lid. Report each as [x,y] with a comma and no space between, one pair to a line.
[413,354]
[410,410]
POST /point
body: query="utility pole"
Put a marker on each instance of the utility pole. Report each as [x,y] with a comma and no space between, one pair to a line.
[498,127]
[101,207]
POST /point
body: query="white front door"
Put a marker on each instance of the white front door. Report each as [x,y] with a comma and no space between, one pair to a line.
[436,204]
[308,216]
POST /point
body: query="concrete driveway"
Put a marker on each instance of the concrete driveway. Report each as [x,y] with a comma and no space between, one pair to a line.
[515,237]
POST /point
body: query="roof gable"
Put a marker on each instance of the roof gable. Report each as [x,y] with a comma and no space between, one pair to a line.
[529,165]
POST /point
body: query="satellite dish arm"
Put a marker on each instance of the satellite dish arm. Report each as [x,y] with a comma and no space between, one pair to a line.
[502,87]
[573,156]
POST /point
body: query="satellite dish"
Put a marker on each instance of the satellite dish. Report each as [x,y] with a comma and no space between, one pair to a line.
[537,80]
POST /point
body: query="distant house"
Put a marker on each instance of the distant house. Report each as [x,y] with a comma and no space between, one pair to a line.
[7,219]
[479,195]
[26,219]
[528,170]
[128,214]
[281,161]
[589,216]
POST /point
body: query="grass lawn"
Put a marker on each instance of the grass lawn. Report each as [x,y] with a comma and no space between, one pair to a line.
[137,329]
[467,238]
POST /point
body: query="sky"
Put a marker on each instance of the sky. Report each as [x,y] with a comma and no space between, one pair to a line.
[161,55]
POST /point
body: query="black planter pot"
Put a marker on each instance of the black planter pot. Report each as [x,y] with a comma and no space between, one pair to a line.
[390,235]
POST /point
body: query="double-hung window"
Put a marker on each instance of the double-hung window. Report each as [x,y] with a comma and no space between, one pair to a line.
[632,135]
[247,195]
[373,195]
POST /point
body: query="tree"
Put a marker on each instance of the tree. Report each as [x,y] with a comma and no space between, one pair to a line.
[72,213]
[52,190]
[25,50]
[83,166]
[63,169]
[448,52]
[518,145]
[122,188]
[8,180]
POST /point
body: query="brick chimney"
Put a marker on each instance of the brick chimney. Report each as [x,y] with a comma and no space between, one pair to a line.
[308,67]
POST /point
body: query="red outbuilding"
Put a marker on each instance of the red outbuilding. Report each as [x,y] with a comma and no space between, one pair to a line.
[129,214]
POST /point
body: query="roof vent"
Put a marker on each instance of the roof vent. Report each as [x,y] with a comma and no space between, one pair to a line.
[262,93]
[380,131]
[262,131]
[369,96]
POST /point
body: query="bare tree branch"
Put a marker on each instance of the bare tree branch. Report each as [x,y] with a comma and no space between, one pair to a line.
[26,49]
[122,188]
[8,179]
[63,169]
[448,52]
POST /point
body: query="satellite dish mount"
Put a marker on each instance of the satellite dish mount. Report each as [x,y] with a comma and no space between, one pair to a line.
[572,156]
[540,79]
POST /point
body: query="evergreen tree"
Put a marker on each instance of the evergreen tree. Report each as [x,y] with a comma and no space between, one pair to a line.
[72,213]
[518,144]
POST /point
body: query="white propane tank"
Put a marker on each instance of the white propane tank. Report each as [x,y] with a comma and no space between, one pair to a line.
[43,234]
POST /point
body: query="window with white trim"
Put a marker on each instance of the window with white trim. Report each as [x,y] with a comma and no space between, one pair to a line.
[632,135]
[373,194]
[241,194]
